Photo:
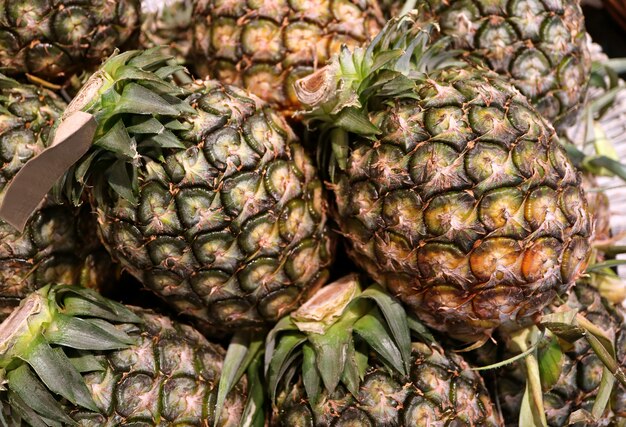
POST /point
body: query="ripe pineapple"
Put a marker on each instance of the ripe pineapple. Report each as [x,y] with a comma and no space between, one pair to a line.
[144,370]
[435,387]
[203,194]
[452,190]
[59,243]
[265,46]
[540,46]
[573,389]
[53,39]
[167,23]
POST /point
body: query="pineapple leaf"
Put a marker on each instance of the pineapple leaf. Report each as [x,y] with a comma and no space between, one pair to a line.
[532,412]
[280,359]
[78,301]
[120,180]
[604,393]
[331,349]
[356,121]
[117,141]
[73,332]
[146,125]
[58,374]
[165,139]
[26,385]
[86,363]
[310,375]
[149,59]
[26,412]
[284,325]
[608,263]
[241,351]
[350,376]
[420,330]
[396,319]
[550,364]
[137,99]
[371,328]
[253,414]
[340,148]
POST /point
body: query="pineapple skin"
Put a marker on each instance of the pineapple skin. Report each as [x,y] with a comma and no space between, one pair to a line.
[464,207]
[442,390]
[59,243]
[53,39]
[539,45]
[266,45]
[167,23]
[169,376]
[579,380]
[231,231]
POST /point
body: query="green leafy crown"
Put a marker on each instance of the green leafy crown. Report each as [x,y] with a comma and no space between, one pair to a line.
[318,340]
[43,346]
[139,110]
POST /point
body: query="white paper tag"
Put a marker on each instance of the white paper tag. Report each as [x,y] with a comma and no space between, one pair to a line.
[27,190]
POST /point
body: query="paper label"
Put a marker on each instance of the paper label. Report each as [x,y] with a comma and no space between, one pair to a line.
[33,182]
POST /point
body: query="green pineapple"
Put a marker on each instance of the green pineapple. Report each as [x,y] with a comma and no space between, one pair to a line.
[540,46]
[452,190]
[203,194]
[381,379]
[265,46]
[72,357]
[168,23]
[53,39]
[59,243]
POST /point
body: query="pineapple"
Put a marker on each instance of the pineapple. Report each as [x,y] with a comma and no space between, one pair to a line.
[435,387]
[540,46]
[265,46]
[452,190]
[53,39]
[167,23]
[572,388]
[59,243]
[66,362]
[203,194]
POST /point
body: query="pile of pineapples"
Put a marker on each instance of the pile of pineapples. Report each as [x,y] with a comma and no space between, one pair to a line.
[351,213]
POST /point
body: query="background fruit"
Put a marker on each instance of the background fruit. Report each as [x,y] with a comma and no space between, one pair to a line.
[541,47]
[167,23]
[265,46]
[441,390]
[226,220]
[59,243]
[53,39]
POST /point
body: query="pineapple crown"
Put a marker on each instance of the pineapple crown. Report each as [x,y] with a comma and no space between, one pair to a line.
[339,95]
[138,110]
[321,336]
[41,345]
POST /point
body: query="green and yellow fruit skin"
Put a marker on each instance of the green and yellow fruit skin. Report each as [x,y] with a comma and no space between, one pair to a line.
[451,189]
[169,376]
[53,39]
[60,243]
[266,45]
[465,206]
[540,46]
[441,390]
[578,381]
[230,226]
